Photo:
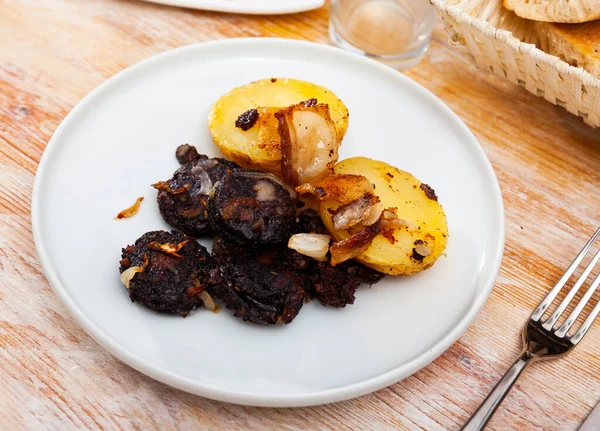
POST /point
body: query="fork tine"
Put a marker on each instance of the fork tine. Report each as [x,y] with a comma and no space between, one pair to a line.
[586,324]
[548,324]
[541,309]
[562,331]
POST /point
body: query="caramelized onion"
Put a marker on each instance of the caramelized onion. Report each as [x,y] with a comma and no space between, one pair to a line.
[128,274]
[389,220]
[311,244]
[131,211]
[211,193]
[422,250]
[206,163]
[268,136]
[205,181]
[208,301]
[165,187]
[343,188]
[353,246]
[372,214]
[309,142]
[366,210]
[171,249]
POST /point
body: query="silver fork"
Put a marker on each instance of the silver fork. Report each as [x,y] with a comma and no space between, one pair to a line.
[541,339]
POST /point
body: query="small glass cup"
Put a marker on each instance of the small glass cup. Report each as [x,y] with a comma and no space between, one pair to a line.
[396,32]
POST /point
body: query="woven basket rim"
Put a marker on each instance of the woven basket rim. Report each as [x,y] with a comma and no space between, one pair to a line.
[506,36]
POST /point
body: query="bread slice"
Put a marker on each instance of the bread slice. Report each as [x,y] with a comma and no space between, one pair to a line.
[577,44]
[563,11]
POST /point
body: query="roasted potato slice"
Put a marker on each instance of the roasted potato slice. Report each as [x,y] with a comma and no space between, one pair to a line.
[424,233]
[259,146]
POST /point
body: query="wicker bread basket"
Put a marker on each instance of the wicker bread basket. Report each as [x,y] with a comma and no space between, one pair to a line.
[497,40]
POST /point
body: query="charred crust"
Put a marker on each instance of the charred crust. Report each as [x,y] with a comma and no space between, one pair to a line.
[416,256]
[273,79]
[429,192]
[310,102]
[247,120]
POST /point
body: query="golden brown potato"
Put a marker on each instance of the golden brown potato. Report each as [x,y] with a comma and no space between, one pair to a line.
[259,146]
[424,235]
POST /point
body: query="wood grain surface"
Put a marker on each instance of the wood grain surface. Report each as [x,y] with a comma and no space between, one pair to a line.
[53,376]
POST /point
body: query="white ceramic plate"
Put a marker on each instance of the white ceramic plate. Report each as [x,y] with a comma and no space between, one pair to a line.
[255,7]
[121,138]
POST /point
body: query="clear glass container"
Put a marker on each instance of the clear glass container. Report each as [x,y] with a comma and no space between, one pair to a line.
[396,32]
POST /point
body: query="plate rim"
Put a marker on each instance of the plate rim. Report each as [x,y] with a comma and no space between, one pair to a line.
[281,10]
[248,398]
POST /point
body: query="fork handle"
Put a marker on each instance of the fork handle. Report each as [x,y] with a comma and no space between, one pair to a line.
[487,409]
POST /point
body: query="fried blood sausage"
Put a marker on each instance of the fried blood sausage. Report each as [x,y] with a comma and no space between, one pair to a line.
[168,272]
[187,153]
[309,221]
[333,286]
[183,200]
[260,287]
[253,207]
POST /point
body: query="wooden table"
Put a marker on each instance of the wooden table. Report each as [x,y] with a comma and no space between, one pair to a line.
[53,376]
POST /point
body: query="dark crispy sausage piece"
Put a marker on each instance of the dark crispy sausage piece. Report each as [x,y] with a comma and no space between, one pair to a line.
[187,153]
[183,200]
[333,286]
[259,286]
[253,207]
[173,270]
[309,221]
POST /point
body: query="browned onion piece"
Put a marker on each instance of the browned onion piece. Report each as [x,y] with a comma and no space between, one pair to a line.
[353,246]
[131,211]
[164,186]
[268,136]
[171,249]
[366,210]
[208,301]
[128,274]
[389,220]
[343,188]
[311,244]
[309,142]
[372,214]
[421,249]
[204,179]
